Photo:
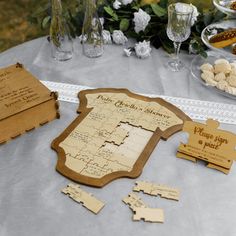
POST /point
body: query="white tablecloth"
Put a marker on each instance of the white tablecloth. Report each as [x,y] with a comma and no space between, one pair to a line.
[30,198]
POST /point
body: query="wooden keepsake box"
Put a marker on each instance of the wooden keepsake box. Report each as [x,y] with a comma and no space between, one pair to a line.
[25,103]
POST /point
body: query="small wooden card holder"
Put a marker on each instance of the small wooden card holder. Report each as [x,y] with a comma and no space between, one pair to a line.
[114,135]
[208,143]
[25,103]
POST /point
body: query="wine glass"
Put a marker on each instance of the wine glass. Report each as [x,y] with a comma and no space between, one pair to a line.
[178,29]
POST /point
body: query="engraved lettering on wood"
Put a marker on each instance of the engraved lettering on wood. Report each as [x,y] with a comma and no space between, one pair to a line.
[25,103]
[19,90]
[134,201]
[90,202]
[141,211]
[208,143]
[117,130]
[157,189]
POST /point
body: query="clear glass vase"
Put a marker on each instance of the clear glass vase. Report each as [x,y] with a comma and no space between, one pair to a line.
[92,39]
[61,41]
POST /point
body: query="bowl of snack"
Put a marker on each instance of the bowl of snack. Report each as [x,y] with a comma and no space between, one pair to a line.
[221,37]
[226,6]
[217,73]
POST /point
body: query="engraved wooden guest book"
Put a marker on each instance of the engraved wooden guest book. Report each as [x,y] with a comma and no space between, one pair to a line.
[25,103]
[114,135]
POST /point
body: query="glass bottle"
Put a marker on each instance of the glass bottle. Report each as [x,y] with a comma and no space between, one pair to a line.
[92,40]
[61,41]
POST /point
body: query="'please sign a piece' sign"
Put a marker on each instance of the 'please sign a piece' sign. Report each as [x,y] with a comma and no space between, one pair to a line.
[208,143]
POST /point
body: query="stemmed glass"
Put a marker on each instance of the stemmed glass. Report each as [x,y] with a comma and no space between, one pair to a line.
[178,30]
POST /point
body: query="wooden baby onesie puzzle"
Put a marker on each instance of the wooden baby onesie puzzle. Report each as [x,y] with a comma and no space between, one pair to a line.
[77,194]
[25,103]
[114,135]
[208,143]
[157,189]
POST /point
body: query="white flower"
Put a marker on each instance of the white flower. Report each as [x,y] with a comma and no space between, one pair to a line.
[126,2]
[95,21]
[183,7]
[127,51]
[83,38]
[118,37]
[195,15]
[143,49]
[116,4]
[191,50]
[106,37]
[141,19]
[187,8]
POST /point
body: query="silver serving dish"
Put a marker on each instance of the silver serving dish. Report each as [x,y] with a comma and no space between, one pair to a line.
[224,6]
[196,71]
[214,29]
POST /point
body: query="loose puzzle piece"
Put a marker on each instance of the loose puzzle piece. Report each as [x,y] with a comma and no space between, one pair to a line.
[114,135]
[208,143]
[157,189]
[149,214]
[90,202]
[134,201]
[141,209]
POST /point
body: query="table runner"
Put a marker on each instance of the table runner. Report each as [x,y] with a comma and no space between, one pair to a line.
[196,109]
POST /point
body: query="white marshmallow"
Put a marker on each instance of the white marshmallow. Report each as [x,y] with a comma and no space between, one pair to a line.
[222,85]
[221,61]
[230,90]
[207,75]
[232,80]
[220,76]
[207,67]
[222,67]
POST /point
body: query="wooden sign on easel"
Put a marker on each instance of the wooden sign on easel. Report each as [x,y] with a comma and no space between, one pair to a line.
[114,135]
[208,143]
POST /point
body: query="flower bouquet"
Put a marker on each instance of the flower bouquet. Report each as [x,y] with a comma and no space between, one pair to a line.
[138,19]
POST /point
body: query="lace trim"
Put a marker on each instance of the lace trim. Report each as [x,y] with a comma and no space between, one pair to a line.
[196,109]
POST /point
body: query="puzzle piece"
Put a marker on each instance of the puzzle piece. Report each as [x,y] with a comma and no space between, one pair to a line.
[157,189]
[118,135]
[90,202]
[142,211]
[149,214]
[134,201]
[117,158]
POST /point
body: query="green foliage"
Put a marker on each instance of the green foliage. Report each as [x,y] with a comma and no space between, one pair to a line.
[158,10]
[124,24]
[123,19]
[46,22]
[111,13]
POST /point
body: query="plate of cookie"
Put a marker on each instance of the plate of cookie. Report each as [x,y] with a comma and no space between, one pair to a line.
[217,73]
[226,6]
[221,37]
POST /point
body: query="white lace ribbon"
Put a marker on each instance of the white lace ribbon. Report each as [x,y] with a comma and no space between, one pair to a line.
[196,109]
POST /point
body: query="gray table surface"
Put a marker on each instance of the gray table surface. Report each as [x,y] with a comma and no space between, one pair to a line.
[30,198]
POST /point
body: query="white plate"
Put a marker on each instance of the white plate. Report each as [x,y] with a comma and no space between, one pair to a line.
[224,6]
[196,71]
[211,30]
